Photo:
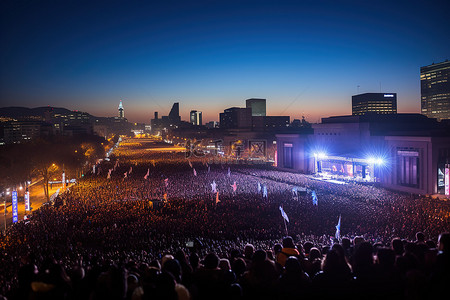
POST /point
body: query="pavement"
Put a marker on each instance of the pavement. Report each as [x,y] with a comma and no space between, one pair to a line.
[37,199]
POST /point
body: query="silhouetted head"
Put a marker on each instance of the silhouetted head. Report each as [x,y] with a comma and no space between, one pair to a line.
[293,266]
[420,237]
[211,261]
[288,242]
[248,251]
[397,246]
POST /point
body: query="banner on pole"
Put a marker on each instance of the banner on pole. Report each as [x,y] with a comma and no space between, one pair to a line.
[283,214]
[15,212]
[27,201]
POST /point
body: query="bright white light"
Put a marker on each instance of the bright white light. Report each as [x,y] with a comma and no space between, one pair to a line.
[321,155]
[375,161]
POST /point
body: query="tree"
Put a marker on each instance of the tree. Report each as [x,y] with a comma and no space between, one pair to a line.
[52,157]
[47,158]
[15,165]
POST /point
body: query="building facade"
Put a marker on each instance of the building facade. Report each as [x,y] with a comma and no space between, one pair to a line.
[196,117]
[403,152]
[435,90]
[258,106]
[374,103]
[236,118]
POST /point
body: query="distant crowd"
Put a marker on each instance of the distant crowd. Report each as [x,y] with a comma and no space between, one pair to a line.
[159,226]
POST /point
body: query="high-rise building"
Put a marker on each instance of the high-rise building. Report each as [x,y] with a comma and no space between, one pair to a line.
[174,114]
[258,106]
[374,103]
[121,111]
[236,117]
[435,90]
[196,117]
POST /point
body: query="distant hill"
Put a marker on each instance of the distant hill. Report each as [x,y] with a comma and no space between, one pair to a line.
[17,112]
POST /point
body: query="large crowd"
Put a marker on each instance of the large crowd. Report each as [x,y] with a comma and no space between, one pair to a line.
[163,226]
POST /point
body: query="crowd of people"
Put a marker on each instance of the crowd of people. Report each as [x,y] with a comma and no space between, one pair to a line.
[156,225]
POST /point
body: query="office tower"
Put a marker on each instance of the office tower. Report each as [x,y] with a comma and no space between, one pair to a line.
[435,90]
[121,111]
[174,114]
[196,117]
[374,103]
[258,106]
[236,117]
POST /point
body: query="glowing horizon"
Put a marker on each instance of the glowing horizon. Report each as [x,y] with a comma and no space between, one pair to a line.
[305,58]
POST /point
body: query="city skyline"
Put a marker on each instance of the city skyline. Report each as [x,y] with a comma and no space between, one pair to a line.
[306,58]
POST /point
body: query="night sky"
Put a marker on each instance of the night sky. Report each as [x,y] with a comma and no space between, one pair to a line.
[305,57]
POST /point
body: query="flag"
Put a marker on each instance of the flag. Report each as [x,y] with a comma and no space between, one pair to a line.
[166,182]
[229,172]
[131,170]
[217,197]
[125,175]
[165,196]
[265,191]
[213,187]
[283,214]
[195,172]
[259,187]
[314,198]
[338,229]
[190,164]
[209,169]
[234,186]
[109,174]
[93,169]
[146,175]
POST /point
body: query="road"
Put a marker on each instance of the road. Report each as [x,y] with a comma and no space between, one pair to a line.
[37,198]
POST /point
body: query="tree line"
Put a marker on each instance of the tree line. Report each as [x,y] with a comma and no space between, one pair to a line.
[45,158]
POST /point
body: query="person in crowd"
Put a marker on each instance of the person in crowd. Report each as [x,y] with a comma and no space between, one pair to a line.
[289,249]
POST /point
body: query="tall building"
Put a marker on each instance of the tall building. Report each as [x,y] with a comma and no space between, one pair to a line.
[435,90]
[165,122]
[258,106]
[196,117]
[374,103]
[174,114]
[236,117]
[121,111]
